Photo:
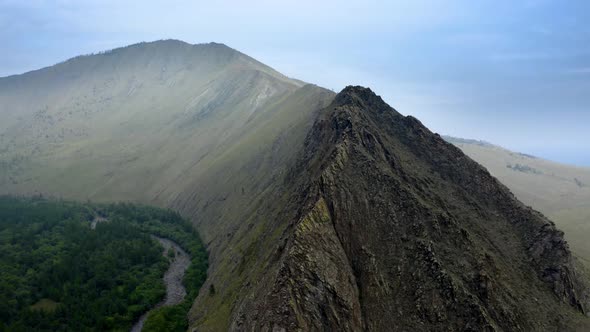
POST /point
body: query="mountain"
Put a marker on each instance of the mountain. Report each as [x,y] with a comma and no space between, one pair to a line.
[168,123]
[319,211]
[202,129]
[139,115]
[561,192]
[382,225]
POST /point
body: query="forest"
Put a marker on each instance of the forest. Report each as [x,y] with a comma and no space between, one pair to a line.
[59,273]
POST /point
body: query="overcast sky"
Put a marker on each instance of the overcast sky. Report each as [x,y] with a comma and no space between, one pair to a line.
[514,73]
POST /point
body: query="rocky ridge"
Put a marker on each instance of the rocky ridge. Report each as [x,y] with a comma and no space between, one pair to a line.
[396,229]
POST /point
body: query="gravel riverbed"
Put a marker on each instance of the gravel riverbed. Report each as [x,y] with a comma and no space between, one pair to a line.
[175,291]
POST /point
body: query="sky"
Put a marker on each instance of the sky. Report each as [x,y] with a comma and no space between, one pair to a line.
[513,73]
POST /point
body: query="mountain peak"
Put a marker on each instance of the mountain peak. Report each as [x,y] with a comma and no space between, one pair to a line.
[398,230]
[355,94]
[361,97]
[175,47]
[175,43]
[357,90]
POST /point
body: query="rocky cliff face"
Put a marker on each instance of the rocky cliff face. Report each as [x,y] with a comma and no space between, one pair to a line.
[388,227]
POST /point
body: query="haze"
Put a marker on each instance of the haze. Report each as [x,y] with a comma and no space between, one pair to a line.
[515,74]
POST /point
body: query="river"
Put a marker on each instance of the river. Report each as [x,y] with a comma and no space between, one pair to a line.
[175,291]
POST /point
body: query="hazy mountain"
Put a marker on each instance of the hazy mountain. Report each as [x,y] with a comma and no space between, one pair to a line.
[147,122]
[561,192]
[319,211]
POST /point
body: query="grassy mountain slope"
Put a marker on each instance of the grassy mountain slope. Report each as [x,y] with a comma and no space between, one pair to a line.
[561,192]
[143,114]
[145,122]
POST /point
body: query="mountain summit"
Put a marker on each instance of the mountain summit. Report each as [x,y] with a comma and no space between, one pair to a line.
[319,211]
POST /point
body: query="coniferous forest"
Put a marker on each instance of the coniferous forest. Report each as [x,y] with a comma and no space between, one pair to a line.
[58,272]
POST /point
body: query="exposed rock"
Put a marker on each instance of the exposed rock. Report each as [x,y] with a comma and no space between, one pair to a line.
[397,230]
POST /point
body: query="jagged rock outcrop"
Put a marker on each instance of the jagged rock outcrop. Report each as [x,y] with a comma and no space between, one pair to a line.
[396,230]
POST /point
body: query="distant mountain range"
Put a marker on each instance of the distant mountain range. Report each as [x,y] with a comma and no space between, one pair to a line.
[320,211]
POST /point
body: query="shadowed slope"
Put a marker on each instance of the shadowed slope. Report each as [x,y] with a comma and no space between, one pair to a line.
[562,192]
[385,226]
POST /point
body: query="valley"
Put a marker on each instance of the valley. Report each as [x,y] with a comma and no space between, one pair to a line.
[60,273]
[317,210]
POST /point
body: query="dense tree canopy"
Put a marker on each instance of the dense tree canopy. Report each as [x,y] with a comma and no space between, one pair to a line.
[57,273]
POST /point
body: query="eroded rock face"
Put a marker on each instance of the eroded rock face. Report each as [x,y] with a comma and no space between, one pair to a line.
[315,288]
[390,228]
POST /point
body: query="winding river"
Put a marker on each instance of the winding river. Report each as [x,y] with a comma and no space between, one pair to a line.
[175,291]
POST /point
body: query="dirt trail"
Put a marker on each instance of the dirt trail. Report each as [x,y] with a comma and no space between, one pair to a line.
[175,291]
